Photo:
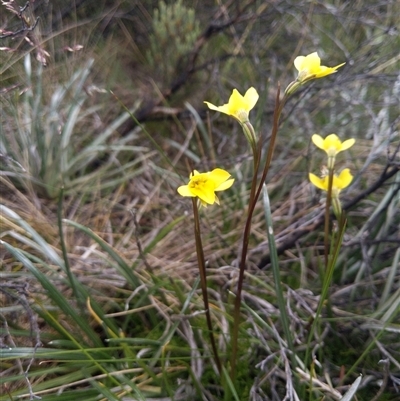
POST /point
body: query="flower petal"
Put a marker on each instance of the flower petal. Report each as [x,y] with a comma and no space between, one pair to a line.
[222,109]
[212,106]
[348,144]
[184,190]
[251,96]
[218,176]
[225,185]
[236,100]
[299,62]
[318,141]
[312,63]
[324,71]
[321,183]
[332,140]
[204,195]
[332,144]
[344,179]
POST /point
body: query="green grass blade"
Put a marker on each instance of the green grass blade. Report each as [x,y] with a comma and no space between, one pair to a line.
[352,390]
[43,246]
[124,268]
[277,274]
[230,392]
[54,294]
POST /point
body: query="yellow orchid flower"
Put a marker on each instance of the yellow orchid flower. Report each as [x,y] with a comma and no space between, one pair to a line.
[238,106]
[332,145]
[204,185]
[339,182]
[309,67]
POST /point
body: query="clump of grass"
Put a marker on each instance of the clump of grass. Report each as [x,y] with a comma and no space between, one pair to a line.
[45,145]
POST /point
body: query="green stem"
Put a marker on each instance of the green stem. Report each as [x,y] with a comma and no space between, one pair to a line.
[330,267]
[203,281]
[327,215]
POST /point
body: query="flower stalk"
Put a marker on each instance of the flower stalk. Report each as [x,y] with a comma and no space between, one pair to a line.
[333,184]
[203,282]
[201,188]
[256,188]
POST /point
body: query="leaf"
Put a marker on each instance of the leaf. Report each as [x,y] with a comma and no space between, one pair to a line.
[352,390]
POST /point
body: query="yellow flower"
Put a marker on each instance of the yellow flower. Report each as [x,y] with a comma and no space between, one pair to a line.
[309,67]
[340,182]
[332,145]
[204,185]
[238,106]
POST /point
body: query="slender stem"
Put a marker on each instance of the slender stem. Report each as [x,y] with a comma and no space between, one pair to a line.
[242,264]
[203,281]
[326,281]
[327,215]
[242,267]
[279,104]
[254,195]
[328,261]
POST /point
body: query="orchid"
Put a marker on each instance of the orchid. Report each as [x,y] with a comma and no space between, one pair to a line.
[204,185]
[238,106]
[339,182]
[309,67]
[332,145]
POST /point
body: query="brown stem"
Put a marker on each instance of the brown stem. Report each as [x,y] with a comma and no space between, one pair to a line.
[254,195]
[203,281]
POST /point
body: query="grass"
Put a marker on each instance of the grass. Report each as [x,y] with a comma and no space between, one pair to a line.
[100,294]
